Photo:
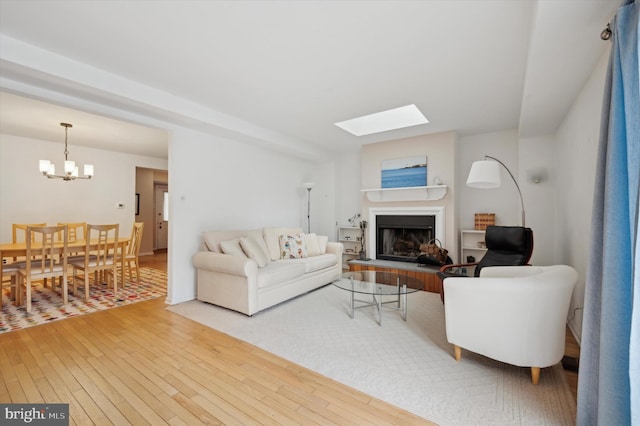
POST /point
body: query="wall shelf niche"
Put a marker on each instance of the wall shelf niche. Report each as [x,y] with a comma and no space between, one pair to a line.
[417,193]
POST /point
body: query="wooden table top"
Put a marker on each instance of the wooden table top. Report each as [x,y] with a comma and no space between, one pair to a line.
[20,249]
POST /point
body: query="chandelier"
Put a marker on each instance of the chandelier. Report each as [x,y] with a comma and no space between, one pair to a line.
[48,169]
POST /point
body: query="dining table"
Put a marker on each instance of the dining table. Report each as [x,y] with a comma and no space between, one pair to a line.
[19,250]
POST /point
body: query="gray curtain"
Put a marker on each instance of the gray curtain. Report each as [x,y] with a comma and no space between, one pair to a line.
[609,378]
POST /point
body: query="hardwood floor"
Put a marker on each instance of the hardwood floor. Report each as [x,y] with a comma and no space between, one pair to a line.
[141,364]
[572,351]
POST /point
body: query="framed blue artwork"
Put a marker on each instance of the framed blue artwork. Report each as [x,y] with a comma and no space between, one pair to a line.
[404,172]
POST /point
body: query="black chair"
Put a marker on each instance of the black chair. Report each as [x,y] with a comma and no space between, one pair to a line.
[506,246]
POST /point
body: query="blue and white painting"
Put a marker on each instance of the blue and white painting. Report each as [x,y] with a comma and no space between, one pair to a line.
[404,172]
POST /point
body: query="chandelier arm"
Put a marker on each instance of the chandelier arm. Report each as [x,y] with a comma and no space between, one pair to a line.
[514,181]
[66,148]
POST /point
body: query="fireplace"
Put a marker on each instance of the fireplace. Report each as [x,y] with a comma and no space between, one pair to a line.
[398,237]
[405,228]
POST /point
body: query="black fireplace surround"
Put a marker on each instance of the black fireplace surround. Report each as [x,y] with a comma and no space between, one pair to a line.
[398,237]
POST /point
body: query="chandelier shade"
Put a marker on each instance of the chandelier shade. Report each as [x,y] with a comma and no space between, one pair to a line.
[48,169]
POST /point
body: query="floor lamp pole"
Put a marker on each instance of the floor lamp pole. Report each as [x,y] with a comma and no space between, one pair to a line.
[308,186]
[308,210]
[514,181]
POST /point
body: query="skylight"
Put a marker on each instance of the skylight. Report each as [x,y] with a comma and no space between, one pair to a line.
[397,118]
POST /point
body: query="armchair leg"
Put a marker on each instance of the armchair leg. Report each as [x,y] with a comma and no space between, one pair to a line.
[457,352]
[535,375]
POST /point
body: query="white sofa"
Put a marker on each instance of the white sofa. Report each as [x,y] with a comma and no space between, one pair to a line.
[513,314]
[244,270]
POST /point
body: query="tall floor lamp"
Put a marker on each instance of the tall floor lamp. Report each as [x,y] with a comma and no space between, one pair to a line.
[486,174]
[308,186]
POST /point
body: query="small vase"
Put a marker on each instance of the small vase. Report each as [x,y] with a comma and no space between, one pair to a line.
[363,255]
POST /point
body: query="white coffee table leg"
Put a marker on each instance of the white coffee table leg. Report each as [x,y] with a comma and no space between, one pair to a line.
[353,299]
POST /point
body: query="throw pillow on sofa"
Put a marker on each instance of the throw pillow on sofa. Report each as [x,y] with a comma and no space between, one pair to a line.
[293,246]
[256,250]
[232,247]
[313,246]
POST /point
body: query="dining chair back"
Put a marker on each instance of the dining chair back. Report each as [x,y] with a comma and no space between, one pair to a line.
[42,254]
[100,258]
[19,233]
[77,230]
[133,250]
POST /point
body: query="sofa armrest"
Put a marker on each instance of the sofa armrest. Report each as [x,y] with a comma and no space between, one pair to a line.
[225,263]
[336,248]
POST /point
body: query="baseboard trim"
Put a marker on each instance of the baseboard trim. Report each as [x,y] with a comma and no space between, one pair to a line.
[575,335]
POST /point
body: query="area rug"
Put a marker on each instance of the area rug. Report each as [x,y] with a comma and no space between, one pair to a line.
[408,364]
[46,305]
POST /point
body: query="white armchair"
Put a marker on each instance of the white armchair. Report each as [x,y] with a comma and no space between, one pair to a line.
[513,314]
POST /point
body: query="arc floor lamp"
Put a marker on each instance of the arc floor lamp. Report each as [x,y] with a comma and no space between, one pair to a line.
[485,174]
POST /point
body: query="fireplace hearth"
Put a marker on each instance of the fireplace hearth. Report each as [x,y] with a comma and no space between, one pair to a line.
[398,237]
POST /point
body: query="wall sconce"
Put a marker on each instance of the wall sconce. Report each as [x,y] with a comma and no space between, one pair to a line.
[537,175]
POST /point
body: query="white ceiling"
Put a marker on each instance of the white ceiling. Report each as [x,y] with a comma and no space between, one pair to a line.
[293,68]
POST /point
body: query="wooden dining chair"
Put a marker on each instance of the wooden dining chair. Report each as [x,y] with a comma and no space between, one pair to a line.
[100,258]
[77,231]
[133,250]
[41,260]
[10,270]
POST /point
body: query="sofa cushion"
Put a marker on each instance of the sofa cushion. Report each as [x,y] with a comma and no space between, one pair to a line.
[293,246]
[232,247]
[279,272]
[314,263]
[272,239]
[212,239]
[322,241]
[255,249]
[313,246]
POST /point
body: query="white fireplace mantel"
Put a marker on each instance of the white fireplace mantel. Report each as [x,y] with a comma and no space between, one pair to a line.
[417,193]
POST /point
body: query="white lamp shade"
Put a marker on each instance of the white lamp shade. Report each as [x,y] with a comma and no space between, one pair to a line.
[484,174]
[69,166]
[52,169]
[74,173]
[44,165]
[88,169]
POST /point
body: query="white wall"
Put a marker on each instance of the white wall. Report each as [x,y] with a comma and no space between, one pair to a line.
[221,184]
[538,154]
[26,196]
[348,195]
[576,154]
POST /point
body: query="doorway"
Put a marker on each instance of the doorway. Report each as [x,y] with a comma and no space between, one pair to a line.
[161,214]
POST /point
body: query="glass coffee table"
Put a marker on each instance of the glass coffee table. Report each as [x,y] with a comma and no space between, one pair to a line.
[380,286]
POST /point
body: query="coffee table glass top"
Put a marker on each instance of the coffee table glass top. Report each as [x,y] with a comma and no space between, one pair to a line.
[378,283]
